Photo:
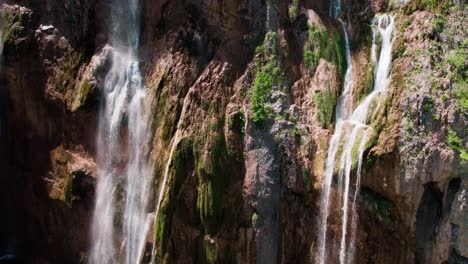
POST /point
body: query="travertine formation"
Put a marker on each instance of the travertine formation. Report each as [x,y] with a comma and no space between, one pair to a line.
[258,83]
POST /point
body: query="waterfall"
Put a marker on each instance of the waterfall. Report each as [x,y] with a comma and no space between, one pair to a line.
[351,135]
[335,8]
[120,219]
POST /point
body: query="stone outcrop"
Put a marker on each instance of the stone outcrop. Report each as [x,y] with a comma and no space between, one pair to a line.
[253,86]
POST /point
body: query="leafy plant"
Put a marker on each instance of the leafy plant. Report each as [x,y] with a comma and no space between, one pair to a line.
[260,95]
[457,144]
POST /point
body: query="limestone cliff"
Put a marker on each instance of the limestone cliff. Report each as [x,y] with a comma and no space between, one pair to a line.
[253,86]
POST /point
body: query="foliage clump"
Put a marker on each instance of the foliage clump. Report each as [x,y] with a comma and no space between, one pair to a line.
[268,74]
[456,144]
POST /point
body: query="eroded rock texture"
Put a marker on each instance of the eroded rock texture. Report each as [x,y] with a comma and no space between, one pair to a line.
[254,86]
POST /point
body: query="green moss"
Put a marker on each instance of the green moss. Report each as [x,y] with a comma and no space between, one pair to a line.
[81,94]
[181,165]
[69,66]
[458,61]
[211,252]
[462,97]
[161,232]
[69,197]
[370,160]
[325,102]
[254,218]
[294,10]
[168,126]
[11,23]
[439,6]
[328,45]
[439,23]
[311,59]
[213,171]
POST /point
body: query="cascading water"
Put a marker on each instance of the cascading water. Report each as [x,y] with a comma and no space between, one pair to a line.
[335,8]
[342,148]
[122,154]
[162,188]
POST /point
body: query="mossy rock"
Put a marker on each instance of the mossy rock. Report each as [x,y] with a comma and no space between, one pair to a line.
[65,77]
[325,102]
[213,174]
[328,45]
[181,165]
[81,94]
[12,27]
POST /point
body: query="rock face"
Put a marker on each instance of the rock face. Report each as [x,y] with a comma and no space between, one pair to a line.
[258,82]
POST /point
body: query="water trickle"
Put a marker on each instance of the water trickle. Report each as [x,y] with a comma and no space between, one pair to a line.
[122,153]
[345,149]
[168,164]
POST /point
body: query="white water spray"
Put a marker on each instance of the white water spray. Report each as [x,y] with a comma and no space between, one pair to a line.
[356,122]
[123,153]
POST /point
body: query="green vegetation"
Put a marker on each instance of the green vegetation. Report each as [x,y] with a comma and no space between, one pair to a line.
[161,232]
[325,44]
[268,74]
[311,59]
[70,64]
[213,178]
[169,122]
[458,61]
[325,102]
[211,253]
[370,160]
[182,163]
[68,195]
[254,218]
[439,23]
[377,205]
[81,94]
[294,10]
[439,6]
[12,26]
[456,144]
[260,95]
[462,96]
[368,81]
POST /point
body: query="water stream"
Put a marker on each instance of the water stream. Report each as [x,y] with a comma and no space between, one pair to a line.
[175,142]
[349,140]
[121,219]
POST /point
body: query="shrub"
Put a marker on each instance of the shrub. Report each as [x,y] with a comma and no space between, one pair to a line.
[260,95]
[457,144]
